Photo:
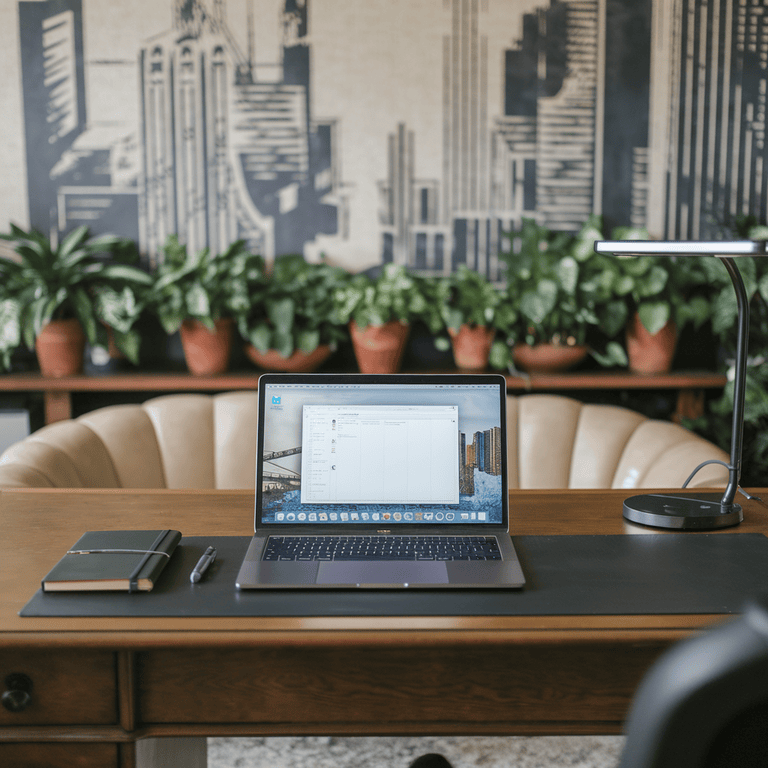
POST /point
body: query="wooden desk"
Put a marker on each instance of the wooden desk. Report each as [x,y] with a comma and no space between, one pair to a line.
[107,689]
[57,393]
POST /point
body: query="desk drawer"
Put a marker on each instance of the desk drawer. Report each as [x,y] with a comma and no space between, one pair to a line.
[22,755]
[67,688]
[378,687]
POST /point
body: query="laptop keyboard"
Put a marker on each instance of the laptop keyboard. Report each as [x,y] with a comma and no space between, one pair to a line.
[382,548]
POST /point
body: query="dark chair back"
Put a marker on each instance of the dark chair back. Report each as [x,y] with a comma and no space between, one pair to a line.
[704,704]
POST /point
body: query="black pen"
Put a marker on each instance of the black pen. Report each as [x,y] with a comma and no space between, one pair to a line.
[202,565]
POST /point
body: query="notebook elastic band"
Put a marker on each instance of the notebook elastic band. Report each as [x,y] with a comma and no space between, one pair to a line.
[117,552]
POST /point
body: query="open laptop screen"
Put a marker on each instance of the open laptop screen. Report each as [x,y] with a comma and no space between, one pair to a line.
[371,450]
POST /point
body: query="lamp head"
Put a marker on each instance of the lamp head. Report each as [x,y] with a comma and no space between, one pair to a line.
[681,248]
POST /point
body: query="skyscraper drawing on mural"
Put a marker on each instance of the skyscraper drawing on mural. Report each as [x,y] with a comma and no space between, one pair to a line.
[541,159]
[709,103]
[593,119]
[222,154]
[227,155]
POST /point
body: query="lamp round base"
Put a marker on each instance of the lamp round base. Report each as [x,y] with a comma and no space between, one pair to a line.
[704,513]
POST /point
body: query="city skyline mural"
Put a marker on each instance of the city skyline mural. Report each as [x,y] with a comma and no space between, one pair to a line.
[414,132]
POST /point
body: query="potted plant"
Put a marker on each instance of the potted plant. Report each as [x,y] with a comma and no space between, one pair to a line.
[379,311]
[652,298]
[473,309]
[290,323]
[544,287]
[199,294]
[55,293]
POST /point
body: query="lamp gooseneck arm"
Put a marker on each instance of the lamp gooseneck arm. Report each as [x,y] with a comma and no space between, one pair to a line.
[739,382]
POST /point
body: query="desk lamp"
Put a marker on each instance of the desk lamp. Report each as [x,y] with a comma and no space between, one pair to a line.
[704,512]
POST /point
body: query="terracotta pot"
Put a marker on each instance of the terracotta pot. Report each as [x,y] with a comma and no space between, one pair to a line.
[547,358]
[379,348]
[471,346]
[206,352]
[60,348]
[650,353]
[298,362]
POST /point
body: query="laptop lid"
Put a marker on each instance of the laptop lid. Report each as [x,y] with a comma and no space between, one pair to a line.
[405,452]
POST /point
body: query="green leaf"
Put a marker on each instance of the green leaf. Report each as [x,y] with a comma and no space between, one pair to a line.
[613,318]
[198,304]
[724,311]
[171,319]
[763,287]
[654,315]
[36,256]
[537,304]
[118,309]
[748,270]
[108,243]
[652,283]
[281,313]
[624,285]
[84,311]
[614,355]
[38,314]
[125,273]
[585,245]
[73,241]
[636,265]
[10,328]
[629,233]
[500,356]
[453,317]
[308,341]
[283,342]
[129,343]
[696,310]
[568,274]
[261,337]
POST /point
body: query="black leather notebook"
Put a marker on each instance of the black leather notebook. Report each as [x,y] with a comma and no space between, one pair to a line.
[128,561]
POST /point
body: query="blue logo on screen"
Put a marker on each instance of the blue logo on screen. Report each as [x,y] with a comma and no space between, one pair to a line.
[275,400]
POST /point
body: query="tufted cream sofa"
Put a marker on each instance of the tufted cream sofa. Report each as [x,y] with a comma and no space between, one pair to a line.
[209,441]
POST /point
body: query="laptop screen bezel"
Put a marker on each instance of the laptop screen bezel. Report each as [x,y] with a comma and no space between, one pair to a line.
[371,379]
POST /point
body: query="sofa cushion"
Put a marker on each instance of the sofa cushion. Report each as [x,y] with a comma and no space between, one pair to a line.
[68,455]
[128,434]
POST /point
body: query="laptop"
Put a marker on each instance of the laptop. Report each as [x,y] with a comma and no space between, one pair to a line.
[381,482]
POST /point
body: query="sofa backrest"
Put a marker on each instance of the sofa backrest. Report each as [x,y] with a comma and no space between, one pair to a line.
[173,441]
[209,441]
[558,442]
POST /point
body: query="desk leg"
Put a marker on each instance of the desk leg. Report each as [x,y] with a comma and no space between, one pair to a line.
[184,752]
[58,406]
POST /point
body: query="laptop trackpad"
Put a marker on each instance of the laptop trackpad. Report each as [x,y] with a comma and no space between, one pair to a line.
[384,574]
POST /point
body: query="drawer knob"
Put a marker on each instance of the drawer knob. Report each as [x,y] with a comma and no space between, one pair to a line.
[18,692]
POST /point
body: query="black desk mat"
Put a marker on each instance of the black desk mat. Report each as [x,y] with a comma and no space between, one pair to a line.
[566,575]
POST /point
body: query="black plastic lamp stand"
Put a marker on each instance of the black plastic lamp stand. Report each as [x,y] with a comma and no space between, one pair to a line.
[705,511]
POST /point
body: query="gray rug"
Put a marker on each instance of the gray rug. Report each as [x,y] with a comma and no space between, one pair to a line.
[398,752]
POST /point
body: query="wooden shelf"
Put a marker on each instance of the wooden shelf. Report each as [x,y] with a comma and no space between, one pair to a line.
[126,382]
[618,380]
[57,393]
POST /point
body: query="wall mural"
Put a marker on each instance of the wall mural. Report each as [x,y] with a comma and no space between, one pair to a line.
[413,131]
